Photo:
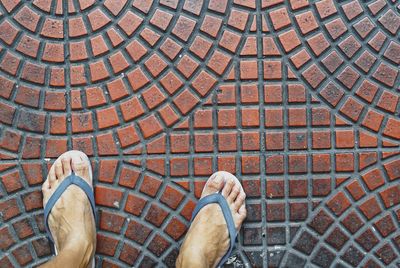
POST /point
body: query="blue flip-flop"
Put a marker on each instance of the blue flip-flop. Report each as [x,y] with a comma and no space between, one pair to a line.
[70,180]
[218,198]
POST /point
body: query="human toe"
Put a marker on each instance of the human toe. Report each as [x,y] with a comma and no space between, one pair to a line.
[234,193]
[213,185]
[228,187]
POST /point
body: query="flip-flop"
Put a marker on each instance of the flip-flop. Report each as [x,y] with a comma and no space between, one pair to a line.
[72,179]
[219,199]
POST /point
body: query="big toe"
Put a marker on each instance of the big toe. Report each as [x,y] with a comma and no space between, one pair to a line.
[214,184]
[81,166]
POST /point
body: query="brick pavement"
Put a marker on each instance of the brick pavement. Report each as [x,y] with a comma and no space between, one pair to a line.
[299,98]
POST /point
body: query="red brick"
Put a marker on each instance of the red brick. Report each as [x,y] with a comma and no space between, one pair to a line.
[279,18]
[107,117]
[58,124]
[76,27]
[129,254]
[186,101]
[184,27]
[338,204]
[28,96]
[108,197]
[226,94]
[219,62]
[23,255]
[297,163]
[111,222]
[171,197]
[200,47]
[31,121]
[274,140]
[82,122]
[203,83]
[250,117]
[55,147]
[179,167]
[153,97]
[248,70]
[321,163]
[10,140]
[32,148]
[6,240]
[175,228]
[187,66]
[276,212]
[370,208]
[298,140]
[127,136]
[274,164]
[391,196]
[344,139]
[23,228]
[250,141]
[392,128]
[137,232]
[9,209]
[128,177]
[33,173]
[203,142]
[227,163]
[298,188]
[150,185]
[150,126]
[202,166]
[134,205]
[289,41]
[156,215]
[393,169]
[32,200]
[274,117]
[107,170]
[84,144]
[131,109]
[12,181]
[106,245]
[355,189]
[373,179]
[298,211]
[321,187]
[252,188]
[155,64]
[344,162]
[158,245]
[249,94]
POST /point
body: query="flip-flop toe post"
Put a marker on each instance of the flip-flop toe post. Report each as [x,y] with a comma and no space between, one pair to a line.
[218,198]
[72,179]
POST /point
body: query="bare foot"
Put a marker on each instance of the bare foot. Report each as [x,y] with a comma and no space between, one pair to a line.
[207,239]
[71,220]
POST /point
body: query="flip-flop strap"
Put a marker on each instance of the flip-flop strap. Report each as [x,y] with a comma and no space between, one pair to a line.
[219,199]
[71,179]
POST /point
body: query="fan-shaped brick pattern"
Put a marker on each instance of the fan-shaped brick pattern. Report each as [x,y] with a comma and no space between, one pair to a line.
[299,99]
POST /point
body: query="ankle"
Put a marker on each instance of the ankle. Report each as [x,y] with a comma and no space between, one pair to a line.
[79,250]
[191,257]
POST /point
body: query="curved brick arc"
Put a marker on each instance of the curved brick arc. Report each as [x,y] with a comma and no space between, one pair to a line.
[299,99]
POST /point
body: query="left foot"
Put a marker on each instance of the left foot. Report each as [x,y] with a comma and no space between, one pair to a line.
[71,220]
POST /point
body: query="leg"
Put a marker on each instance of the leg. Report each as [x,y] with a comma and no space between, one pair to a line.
[71,220]
[207,239]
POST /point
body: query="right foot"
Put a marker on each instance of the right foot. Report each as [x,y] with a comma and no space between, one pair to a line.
[71,220]
[208,236]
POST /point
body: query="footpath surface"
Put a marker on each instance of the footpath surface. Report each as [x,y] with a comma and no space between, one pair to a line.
[299,99]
